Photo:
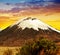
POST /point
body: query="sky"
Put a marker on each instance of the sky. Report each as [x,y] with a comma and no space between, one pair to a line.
[47,11]
[21,1]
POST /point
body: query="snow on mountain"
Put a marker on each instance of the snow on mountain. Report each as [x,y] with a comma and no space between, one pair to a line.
[0,29]
[34,24]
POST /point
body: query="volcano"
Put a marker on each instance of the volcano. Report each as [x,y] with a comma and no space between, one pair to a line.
[26,29]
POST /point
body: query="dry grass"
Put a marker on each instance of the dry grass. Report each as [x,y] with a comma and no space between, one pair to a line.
[13,49]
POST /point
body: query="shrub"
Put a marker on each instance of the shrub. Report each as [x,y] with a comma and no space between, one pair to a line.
[35,47]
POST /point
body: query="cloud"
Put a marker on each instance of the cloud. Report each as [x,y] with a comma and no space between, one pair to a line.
[24,4]
[5,6]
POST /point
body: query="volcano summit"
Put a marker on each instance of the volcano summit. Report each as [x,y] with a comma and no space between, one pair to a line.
[26,29]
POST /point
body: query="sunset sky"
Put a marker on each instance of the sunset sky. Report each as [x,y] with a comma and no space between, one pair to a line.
[47,11]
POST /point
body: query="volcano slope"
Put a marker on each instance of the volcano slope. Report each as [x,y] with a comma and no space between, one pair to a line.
[26,29]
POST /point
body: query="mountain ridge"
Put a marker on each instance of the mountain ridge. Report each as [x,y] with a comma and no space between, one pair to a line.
[20,32]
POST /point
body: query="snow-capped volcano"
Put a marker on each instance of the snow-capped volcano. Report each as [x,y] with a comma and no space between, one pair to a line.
[34,24]
[26,29]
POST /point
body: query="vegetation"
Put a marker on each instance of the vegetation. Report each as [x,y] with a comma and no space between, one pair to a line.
[8,52]
[37,47]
